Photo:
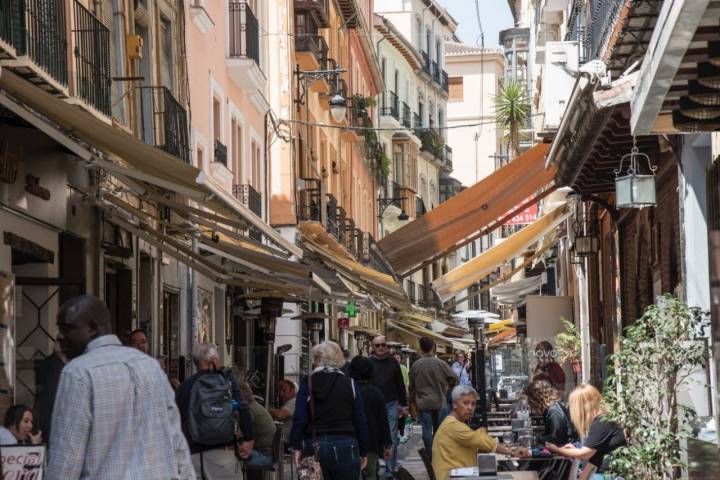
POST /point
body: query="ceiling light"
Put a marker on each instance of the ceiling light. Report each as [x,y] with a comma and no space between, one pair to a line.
[702,94]
[698,111]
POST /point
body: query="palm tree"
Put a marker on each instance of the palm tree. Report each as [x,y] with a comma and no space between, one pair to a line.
[512,107]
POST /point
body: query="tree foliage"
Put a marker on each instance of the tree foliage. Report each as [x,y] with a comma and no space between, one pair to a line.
[568,344]
[656,358]
[512,107]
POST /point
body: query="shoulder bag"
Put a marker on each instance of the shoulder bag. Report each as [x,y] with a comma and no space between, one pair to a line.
[309,467]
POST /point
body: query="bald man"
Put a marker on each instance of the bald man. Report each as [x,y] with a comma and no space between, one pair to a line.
[115,414]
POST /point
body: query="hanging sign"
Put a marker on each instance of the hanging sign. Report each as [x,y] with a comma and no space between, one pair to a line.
[351,309]
[527,216]
[343,323]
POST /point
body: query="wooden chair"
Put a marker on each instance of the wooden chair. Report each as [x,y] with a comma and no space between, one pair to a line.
[427,461]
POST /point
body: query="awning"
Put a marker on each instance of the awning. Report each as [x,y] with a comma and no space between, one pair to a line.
[419,332]
[383,287]
[149,164]
[447,226]
[514,293]
[479,267]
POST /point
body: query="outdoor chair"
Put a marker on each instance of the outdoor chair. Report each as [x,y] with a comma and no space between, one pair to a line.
[258,473]
[425,456]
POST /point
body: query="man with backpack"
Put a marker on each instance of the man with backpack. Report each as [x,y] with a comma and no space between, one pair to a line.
[212,411]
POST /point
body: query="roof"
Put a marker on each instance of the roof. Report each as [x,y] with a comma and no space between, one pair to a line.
[455,48]
[393,35]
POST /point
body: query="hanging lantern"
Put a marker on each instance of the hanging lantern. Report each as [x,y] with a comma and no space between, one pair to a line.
[631,189]
[575,259]
[585,229]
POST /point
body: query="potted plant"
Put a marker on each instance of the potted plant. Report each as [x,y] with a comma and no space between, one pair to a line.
[653,365]
[568,346]
[361,104]
[384,163]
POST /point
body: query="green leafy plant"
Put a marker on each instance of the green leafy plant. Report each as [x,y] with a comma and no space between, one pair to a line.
[432,142]
[512,107]
[568,345]
[362,103]
[384,163]
[656,358]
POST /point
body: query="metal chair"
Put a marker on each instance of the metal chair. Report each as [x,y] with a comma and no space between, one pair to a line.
[258,473]
[427,461]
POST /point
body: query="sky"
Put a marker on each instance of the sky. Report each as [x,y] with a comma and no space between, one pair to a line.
[494,14]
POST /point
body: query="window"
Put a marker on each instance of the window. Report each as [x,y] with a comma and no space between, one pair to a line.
[236,145]
[455,85]
[428,40]
[217,122]
[200,158]
[418,29]
[167,70]
[117,54]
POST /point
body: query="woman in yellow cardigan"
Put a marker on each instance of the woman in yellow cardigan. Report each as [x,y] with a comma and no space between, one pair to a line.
[456,445]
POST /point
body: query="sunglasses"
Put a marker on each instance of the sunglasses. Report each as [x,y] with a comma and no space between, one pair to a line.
[379,345]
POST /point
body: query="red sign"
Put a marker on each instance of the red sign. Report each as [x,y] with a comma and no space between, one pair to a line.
[343,323]
[529,215]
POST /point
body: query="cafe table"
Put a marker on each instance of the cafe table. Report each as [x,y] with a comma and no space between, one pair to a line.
[471,473]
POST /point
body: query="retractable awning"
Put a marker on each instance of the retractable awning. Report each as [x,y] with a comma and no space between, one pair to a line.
[514,293]
[460,278]
[148,163]
[383,287]
[419,332]
[454,221]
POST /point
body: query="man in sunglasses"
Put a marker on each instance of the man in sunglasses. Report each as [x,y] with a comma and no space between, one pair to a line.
[387,376]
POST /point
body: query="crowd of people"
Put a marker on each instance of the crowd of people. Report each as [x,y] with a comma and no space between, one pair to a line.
[115,414]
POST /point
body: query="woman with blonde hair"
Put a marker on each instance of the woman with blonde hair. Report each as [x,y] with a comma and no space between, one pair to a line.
[599,436]
[329,418]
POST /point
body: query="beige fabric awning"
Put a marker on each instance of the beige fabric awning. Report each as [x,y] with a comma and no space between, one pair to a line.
[148,163]
[444,228]
[460,278]
[419,332]
[383,287]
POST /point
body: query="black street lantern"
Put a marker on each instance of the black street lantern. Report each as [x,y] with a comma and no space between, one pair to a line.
[585,228]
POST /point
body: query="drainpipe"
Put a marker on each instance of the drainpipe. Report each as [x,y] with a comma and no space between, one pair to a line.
[192,304]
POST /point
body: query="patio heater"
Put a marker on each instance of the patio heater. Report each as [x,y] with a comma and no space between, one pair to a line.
[478,372]
[270,309]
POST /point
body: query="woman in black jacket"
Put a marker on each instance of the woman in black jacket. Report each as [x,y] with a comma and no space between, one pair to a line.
[379,441]
[333,413]
[544,400]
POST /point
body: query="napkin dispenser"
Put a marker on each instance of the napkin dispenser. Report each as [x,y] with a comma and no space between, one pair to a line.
[487,465]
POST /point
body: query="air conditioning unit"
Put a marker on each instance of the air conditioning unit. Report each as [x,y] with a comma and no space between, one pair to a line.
[561,67]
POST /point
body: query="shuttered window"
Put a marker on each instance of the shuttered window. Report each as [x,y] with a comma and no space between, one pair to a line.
[455,93]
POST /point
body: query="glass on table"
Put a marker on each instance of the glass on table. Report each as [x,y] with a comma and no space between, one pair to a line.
[508,438]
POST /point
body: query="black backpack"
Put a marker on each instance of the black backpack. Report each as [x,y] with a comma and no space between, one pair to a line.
[210,421]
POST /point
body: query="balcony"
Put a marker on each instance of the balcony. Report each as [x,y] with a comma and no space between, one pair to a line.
[312,51]
[309,203]
[92,60]
[34,42]
[417,121]
[448,163]
[317,9]
[331,216]
[445,82]
[390,105]
[243,59]
[426,64]
[419,207]
[220,153]
[340,218]
[432,143]
[163,121]
[248,196]
[406,115]
[350,235]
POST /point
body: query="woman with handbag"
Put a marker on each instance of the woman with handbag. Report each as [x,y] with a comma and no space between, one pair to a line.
[330,431]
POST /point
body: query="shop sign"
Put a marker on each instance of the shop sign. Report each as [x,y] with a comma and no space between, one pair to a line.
[23,462]
[32,186]
[351,309]
[525,217]
[343,323]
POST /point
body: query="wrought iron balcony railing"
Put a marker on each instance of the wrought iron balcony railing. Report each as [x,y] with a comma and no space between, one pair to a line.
[340,223]
[445,82]
[391,105]
[309,201]
[164,121]
[220,152]
[417,121]
[38,29]
[248,196]
[426,63]
[331,216]
[314,44]
[435,72]
[92,59]
[602,25]
[244,31]
[419,207]
[448,158]
[406,115]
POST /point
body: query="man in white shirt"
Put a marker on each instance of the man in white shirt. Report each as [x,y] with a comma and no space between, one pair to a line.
[287,392]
